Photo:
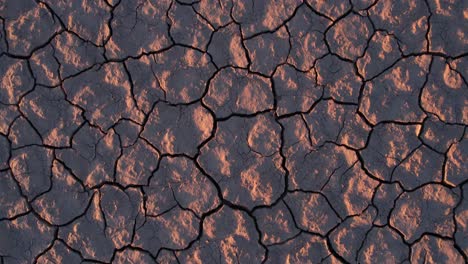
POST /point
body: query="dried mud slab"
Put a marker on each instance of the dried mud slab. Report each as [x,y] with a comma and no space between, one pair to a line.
[381,53]
[431,249]
[188,75]
[456,170]
[446,93]
[88,233]
[16,80]
[313,211]
[120,211]
[166,256]
[12,203]
[260,16]
[223,234]
[32,168]
[447,22]
[338,78]
[24,232]
[330,9]
[136,164]
[246,162]
[431,210]
[311,169]
[27,25]
[383,245]
[339,123]
[105,95]
[74,55]
[174,229]
[351,192]
[45,68]
[268,50]
[146,86]
[303,249]
[4,155]
[22,134]
[138,26]
[461,221]
[178,129]
[347,238]
[217,12]
[3,41]
[129,132]
[348,36]
[132,256]
[92,156]
[384,199]
[420,167]
[394,95]
[389,145]
[178,181]
[226,47]
[407,20]
[231,131]
[306,30]
[295,91]
[67,199]
[59,252]
[187,28]
[57,122]
[9,113]
[440,135]
[236,91]
[276,224]
[333,170]
[87,19]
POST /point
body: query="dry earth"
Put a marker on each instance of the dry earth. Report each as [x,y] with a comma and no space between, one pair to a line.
[233,131]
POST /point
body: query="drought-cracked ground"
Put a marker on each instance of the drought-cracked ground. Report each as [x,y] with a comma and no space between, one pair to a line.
[231,131]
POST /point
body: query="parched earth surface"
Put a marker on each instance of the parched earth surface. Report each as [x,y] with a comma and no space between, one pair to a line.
[232,131]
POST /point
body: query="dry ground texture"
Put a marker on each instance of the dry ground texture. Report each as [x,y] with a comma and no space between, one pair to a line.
[233,131]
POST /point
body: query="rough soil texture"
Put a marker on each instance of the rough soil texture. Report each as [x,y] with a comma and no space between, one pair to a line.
[233,131]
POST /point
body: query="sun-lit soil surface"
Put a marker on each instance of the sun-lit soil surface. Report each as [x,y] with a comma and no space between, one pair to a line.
[233,131]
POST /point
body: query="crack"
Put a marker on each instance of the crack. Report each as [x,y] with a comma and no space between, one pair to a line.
[251,235]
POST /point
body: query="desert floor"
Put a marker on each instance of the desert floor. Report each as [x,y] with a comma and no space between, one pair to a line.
[233,131]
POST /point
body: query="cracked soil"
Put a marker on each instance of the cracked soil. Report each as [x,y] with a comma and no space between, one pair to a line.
[233,131]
